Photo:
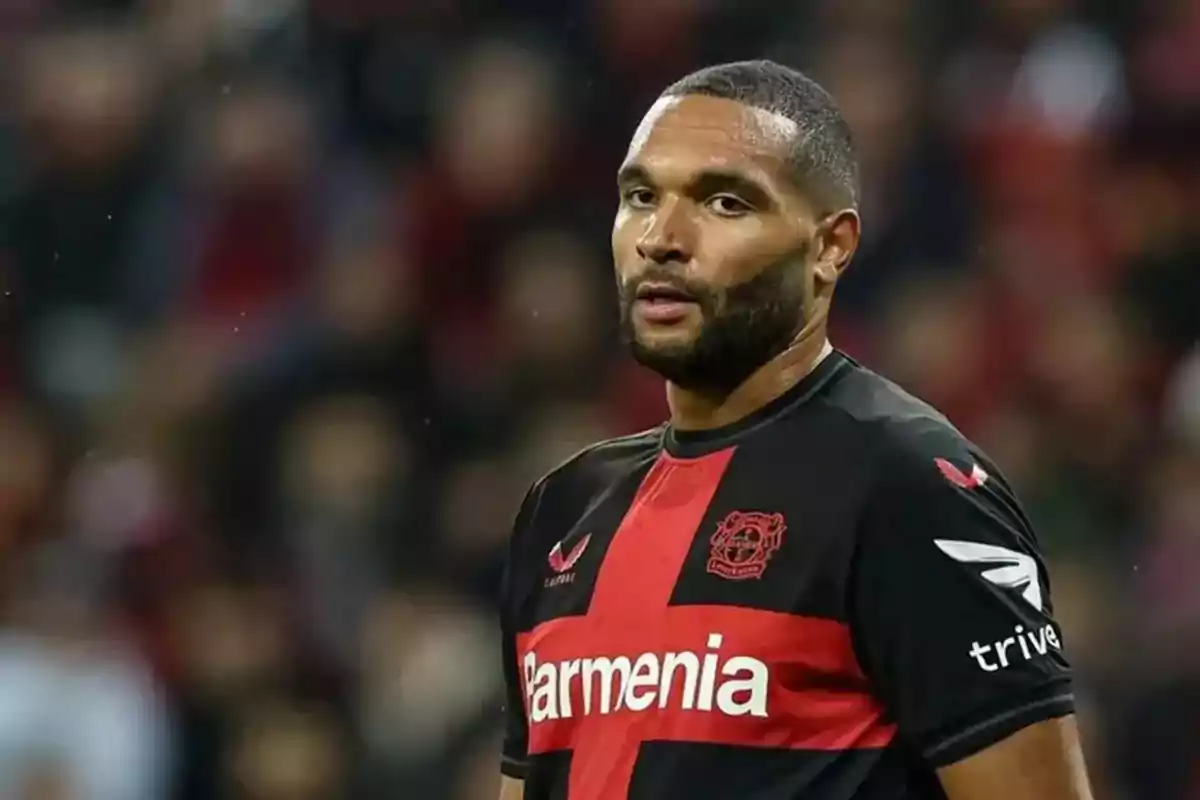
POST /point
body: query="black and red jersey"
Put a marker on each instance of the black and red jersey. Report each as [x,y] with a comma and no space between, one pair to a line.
[827,600]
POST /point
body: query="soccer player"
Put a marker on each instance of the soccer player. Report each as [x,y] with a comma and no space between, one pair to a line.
[806,584]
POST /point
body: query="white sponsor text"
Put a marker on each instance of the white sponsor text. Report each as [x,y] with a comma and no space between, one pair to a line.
[1023,645]
[736,686]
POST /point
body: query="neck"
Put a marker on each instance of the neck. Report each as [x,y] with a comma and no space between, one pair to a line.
[697,411]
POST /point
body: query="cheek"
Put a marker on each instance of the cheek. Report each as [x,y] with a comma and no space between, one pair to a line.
[624,240]
[733,252]
[624,227]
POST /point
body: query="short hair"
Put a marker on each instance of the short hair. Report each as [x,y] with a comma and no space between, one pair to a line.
[822,157]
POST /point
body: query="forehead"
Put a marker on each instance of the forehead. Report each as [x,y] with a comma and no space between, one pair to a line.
[698,132]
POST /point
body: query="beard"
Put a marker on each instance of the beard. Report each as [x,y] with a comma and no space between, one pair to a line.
[742,327]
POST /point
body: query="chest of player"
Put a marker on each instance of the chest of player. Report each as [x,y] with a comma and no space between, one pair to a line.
[733,530]
[697,603]
[771,678]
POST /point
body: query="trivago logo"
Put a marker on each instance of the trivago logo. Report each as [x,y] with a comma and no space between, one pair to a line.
[736,686]
[1023,645]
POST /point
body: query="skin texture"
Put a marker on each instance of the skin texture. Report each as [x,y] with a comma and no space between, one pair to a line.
[1043,760]
[708,206]
[511,789]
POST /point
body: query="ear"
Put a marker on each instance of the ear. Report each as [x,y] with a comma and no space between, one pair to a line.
[837,239]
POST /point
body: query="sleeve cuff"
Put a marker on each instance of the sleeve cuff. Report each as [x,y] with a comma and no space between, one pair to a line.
[513,767]
[1056,700]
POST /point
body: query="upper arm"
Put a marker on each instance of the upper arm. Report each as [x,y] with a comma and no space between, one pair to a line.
[511,788]
[951,607]
[1043,760]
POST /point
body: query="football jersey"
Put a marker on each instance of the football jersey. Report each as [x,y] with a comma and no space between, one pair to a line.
[829,599]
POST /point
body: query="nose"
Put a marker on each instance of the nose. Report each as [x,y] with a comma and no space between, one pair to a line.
[667,237]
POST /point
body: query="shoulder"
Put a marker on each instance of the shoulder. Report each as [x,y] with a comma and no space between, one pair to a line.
[556,501]
[598,461]
[917,452]
[899,424]
[569,486]
[596,465]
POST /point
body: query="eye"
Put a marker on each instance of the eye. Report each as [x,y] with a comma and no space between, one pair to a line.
[639,197]
[728,205]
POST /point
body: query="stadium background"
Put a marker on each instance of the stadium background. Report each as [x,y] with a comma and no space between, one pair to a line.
[299,296]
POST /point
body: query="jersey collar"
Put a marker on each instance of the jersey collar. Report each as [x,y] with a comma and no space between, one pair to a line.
[697,443]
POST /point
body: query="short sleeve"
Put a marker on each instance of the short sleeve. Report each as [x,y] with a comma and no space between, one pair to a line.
[951,608]
[514,758]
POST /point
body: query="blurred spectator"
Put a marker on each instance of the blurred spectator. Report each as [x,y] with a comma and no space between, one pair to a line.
[283,752]
[81,715]
[255,218]
[27,476]
[422,699]
[231,644]
[497,143]
[82,266]
[342,459]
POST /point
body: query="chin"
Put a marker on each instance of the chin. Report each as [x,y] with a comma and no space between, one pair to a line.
[667,358]
[664,346]
[665,333]
[660,347]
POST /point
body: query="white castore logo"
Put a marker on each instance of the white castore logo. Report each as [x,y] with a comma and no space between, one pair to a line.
[1013,571]
[736,686]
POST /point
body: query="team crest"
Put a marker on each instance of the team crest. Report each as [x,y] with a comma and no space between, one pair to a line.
[744,543]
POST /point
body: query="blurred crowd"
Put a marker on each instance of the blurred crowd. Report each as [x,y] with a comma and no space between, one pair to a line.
[298,296]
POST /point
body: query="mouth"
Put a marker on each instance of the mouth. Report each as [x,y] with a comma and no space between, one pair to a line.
[661,304]
[662,293]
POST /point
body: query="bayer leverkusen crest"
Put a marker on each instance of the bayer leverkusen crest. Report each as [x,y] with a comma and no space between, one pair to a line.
[744,543]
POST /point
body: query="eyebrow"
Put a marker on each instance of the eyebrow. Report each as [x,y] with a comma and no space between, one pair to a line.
[633,173]
[705,183]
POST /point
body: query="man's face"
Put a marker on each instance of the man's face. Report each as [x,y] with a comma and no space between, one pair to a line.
[711,242]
